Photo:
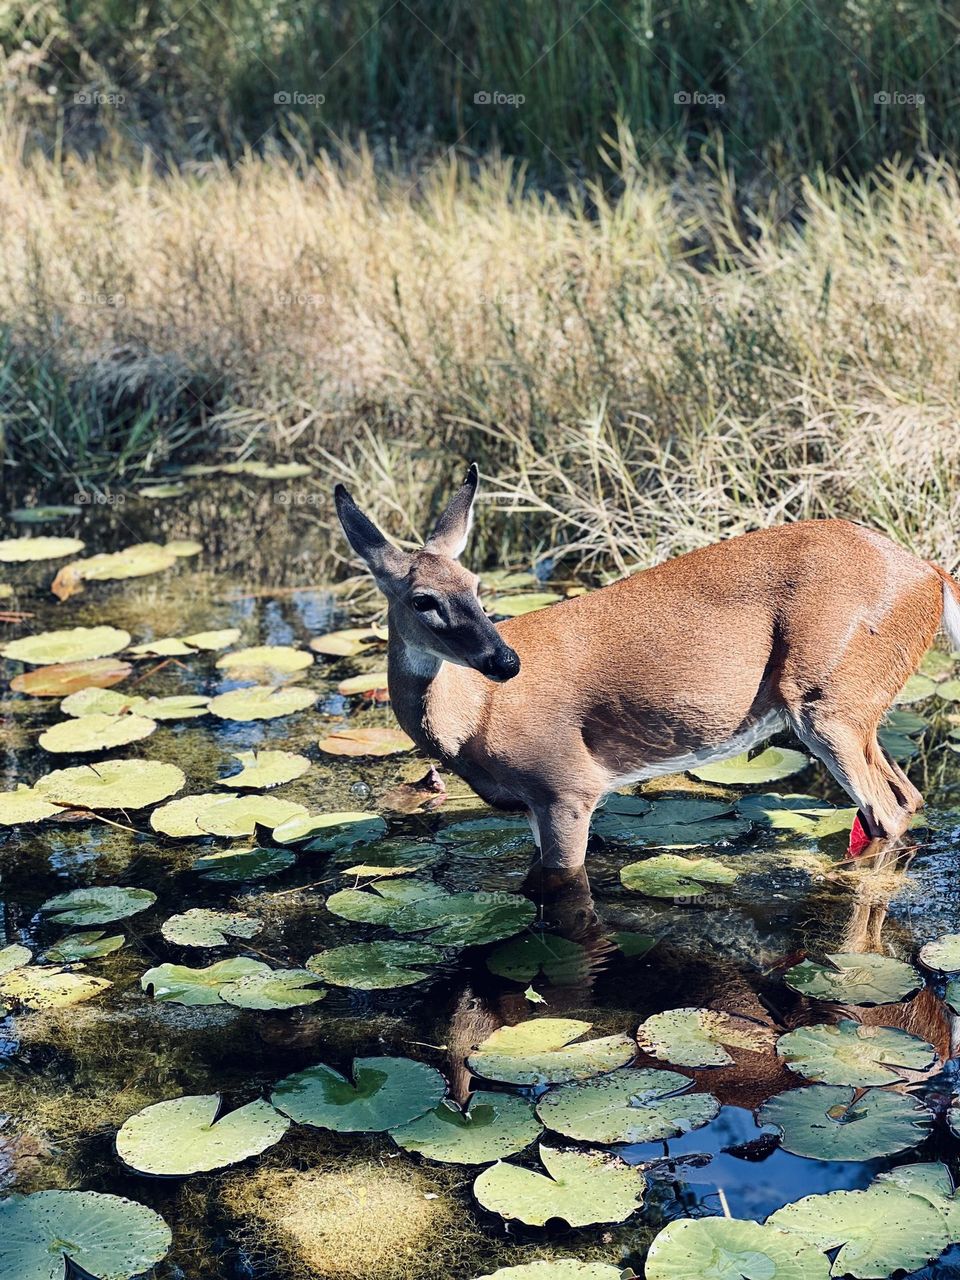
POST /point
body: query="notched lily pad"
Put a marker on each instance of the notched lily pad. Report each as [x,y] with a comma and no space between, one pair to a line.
[668,875]
[266,769]
[453,919]
[24,805]
[75,644]
[236,865]
[943,954]
[375,966]
[201,927]
[329,831]
[264,662]
[696,1037]
[769,765]
[112,784]
[581,1187]
[491,1127]
[96,732]
[181,984]
[670,824]
[66,677]
[384,1093]
[223,814]
[97,906]
[91,945]
[275,989]
[732,1249]
[492,837]
[854,1054]
[829,1122]
[261,702]
[799,814]
[562,962]
[854,978]
[349,642]
[49,987]
[628,1106]
[374,741]
[549,1051]
[190,1135]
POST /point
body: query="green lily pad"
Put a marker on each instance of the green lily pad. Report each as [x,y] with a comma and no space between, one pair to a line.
[514,606]
[916,689]
[266,769]
[668,875]
[223,814]
[49,987]
[112,784]
[829,1122]
[43,514]
[375,966]
[633,945]
[175,489]
[904,1219]
[201,927]
[800,814]
[184,706]
[266,662]
[390,857]
[581,1187]
[211,640]
[770,765]
[384,1094]
[488,837]
[21,550]
[14,957]
[276,989]
[943,954]
[562,962]
[695,1037]
[948,691]
[92,945]
[137,561]
[340,830]
[493,1126]
[261,702]
[24,805]
[189,1135]
[557,1269]
[453,919]
[76,644]
[96,733]
[180,984]
[850,1053]
[936,663]
[107,1236]
[106,702]
[97,906]
[857,978]
[952,994]
[347,643]
[671,824]
[628,1106]
[731,1249]
[233,865]
[549,1051]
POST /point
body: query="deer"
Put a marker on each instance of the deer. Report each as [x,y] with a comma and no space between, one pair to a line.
[812,627]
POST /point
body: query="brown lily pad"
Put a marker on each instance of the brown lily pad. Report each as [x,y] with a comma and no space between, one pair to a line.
[61,678]
[365,742]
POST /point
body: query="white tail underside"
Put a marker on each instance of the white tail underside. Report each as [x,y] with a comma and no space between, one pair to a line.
[951,616]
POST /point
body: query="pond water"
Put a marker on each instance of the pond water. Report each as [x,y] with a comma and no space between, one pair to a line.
[70,1077]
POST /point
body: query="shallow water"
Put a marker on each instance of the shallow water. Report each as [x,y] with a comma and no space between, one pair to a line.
[69,1079]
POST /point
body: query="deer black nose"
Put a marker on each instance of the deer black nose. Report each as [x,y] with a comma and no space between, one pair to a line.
[502,664]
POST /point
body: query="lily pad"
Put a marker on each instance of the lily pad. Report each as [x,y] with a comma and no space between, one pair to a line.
[92,945]
[176,489]
[104,702]
[557,1269]
[549,1051]
[170,647]
[96,733]
[49,986]
[233,865]
[201,927]
[190,1135]
[43,514]
[75,644]
[24,805]
[211,640]
[340,830]
[183,548]
[13,957]
[493,1126]
[672,824]
[275,470]
[628,1106]
[769,765]
[374,741]
[374,966]
[948,691]
[112,784]
[943,954]
[391,857]
[275,989]
[732,1249]
[219,814]
[261,702]
[900,1222]
[264,660]
[514,606]
[383,1094]
[370,682]
[829,1122]
[851,1053]
[916,689]
[182,706]
[855,978]
[266,769]
[347,643]
[180,984]
[562,962]
[496,836]
[696,1037]
[21,550]
[454,919]
[799,814]
[138,561]
[67,677]
[581,1187]
[668,875]
[97,906]
[107,1236]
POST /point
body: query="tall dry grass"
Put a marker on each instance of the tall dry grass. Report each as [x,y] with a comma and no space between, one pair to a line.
[636,376]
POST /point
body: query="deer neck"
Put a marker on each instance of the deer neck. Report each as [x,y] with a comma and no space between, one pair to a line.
[437,703]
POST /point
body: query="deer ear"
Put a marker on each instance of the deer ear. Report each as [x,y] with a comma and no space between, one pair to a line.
[450,536]
[385,561]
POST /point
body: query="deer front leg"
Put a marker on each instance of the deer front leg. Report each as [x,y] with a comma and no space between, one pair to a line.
[560,829]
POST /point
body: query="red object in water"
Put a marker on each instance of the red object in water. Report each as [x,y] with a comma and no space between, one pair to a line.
[858,838]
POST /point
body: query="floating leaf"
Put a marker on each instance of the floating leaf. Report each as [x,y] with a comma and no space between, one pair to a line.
[900,1222]
[188,1135]
[851,1053]
[628,1106]
[201,927]
[513,606]
[770,765]
[75,644]
[49,987]
[176,489]
[104,702]
[180,984]
[266,769]
[67,677]
[92,945]
[671,824]
[455,919]
[275,989]
[342,830]
[562,962]
[943,954]
[855,978]
[261,702]
[488,837]
[492,1126]
[275,470]
[211,640]
[13,957]
[731,1249]
[936,663]
[668,875]
[347,643]
[183,548]
[829,1122]
[24,805]
[171,647]
[243,864]
[581,1187]
[138,561]
[107,1236]
[949,691]
[112,784]
[391,857]
[365,742]
[42,514]
[20,550]
[696,1037]
[184,706]
[804,815]
[97,906]
[549,1051]
[96,732]
[264,660]
[374,966]
[373,682]
[384,1094]
[915,690]
[219,814]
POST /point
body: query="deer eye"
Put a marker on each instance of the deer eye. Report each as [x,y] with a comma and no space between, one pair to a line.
[426,604]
